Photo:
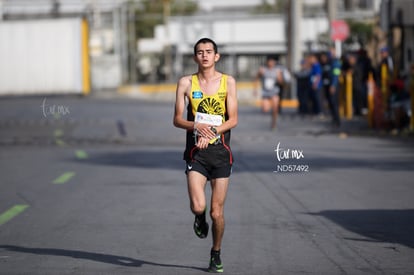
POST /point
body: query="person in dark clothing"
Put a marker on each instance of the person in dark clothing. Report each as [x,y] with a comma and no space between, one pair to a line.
[399,105]
[303,87]
[365,65]
[357,83]
[331,70]
[386,60]
[326,67]
[316,84]
[385,76]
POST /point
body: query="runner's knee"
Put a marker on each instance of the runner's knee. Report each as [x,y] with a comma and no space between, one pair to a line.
[216,213]
[198,207]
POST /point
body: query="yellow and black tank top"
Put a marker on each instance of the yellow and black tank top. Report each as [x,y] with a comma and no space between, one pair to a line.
[214,104]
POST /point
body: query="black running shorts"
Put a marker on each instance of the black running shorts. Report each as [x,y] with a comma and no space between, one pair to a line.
[213,162]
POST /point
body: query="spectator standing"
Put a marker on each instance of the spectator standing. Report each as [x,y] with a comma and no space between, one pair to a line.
[331,70]
[334,89]
[357,83]
[326,67]
[303,87]
[365,64]
[385,73]
[387,61]
[399,105]
[316,84]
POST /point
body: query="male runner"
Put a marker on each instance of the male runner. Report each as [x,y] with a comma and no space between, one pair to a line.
[211,113]
[270,77]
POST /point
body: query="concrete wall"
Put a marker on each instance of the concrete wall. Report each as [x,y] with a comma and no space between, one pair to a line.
[243,34]
[43,56]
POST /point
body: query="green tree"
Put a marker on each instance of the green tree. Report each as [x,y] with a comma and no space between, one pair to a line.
[265,7]
[360,31]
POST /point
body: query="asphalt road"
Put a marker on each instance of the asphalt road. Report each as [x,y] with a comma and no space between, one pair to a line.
[94,186]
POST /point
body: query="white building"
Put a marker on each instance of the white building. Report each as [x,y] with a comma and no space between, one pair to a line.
[241,39]
[244,37]
[398,22]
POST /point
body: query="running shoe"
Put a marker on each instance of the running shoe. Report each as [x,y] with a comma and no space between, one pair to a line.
[216,265]
[201,226]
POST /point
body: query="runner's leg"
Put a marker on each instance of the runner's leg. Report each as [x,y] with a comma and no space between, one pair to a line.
[275,110]
[266,105]
[196,187]
[196,183]
[219,191]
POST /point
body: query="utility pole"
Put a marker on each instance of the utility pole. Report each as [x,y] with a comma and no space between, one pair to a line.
[295,43]
[97,22]
[124,42]
[167,51]
[331,6]
[55,8]
[331,10]
[132,43]
[1,10]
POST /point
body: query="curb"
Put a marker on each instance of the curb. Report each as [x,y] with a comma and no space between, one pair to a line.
[167,92]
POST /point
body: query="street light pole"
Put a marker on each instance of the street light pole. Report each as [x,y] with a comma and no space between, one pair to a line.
[1,10]
[331,6]
[167,51]
[295,45]
[132,43]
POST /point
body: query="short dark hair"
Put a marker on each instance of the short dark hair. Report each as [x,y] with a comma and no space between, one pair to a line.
[203,41]
[271,57]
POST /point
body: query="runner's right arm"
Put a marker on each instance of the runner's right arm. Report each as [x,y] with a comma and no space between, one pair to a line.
[183,85]
[256,82]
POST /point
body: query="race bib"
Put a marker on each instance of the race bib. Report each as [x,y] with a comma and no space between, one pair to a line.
[215,120]
[269,83]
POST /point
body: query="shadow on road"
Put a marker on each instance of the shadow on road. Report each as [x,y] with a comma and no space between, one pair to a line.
[244,161]
[388,226]
[167,159]
[267,162]
[97,257]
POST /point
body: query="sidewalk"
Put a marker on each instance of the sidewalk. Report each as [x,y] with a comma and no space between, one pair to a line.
[166,92]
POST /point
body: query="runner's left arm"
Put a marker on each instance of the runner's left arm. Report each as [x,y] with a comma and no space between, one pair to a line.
[232,107]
